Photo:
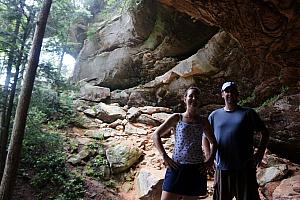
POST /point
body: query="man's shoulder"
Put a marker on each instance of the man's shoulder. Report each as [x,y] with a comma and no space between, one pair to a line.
[219,110]
[249,112]
[246,109]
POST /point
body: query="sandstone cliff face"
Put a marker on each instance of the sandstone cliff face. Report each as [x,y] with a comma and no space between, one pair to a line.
[268,31]
[139,45]
[269,34]
[163,52]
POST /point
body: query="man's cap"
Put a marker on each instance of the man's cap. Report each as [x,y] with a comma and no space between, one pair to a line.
[228,84]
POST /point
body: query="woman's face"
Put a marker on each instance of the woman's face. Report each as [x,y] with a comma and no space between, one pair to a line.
[192,98]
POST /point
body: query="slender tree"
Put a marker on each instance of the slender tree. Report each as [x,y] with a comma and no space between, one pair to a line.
[19,61]
[4,136]
[6,110]
[14,151]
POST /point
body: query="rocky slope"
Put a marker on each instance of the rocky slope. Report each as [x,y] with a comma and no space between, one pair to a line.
[158,52]
[129,157]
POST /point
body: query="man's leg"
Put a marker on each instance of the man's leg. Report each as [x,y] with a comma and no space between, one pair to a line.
[223,186]
[246,185]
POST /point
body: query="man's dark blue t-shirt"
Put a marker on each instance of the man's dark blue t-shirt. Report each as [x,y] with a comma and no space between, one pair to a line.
[234,131]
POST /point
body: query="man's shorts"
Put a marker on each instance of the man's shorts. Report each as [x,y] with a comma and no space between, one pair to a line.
[187,181]
[240,184]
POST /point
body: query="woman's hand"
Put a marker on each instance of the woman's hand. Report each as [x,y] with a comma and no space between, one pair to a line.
[169,162]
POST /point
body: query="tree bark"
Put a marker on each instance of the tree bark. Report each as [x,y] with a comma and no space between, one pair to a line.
[4,119]
[14,152]
[15,81]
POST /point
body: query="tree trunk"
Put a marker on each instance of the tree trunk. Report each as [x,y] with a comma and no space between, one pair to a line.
[4,134]
[14,83]
[14,152]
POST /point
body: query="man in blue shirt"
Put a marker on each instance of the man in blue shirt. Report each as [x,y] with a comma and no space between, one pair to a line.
[234,127]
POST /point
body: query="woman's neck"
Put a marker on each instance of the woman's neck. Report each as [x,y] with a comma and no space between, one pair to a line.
[191,114]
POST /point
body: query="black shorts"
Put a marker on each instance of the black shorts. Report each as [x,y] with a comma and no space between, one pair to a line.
[186,181]
[241,184]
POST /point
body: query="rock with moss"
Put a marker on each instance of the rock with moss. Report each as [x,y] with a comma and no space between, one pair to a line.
[122,157]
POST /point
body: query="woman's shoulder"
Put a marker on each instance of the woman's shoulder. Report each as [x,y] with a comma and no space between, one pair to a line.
[175,117]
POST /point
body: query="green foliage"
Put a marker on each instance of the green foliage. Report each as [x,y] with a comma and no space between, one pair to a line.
[65,114]
[273,99]
[35,119]
[54,97]
[44,156]
[270,101]
[46,101]
[73,189]
[130,4]
[110,183]
[156,34]
[45,151]
[95,168]
[12,12]
[91,32]
[107,9]
[95,146]
[73,145]
[247,100]
[64,14]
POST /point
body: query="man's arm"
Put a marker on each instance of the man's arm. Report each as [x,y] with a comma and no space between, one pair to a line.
[260,128]
[259,154]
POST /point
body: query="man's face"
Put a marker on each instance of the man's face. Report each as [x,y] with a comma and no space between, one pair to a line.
[230,95]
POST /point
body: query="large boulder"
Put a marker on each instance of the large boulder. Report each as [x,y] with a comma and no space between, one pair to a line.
[106,113]
[94,93]
[148,184]
[288,189]
[282,119]
[122,157]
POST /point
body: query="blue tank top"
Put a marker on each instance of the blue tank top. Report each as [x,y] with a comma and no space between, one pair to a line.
[188,143]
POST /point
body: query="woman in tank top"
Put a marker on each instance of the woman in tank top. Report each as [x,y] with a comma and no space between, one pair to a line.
[186,171]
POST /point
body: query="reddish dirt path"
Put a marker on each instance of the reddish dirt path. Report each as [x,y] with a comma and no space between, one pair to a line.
[22,191]
[94,191]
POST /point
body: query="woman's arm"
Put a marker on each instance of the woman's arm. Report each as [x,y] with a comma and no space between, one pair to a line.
[162,130]
[206,147]
[209,142]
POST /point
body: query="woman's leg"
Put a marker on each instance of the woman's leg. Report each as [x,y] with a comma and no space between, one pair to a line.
[190,197]
[169,196]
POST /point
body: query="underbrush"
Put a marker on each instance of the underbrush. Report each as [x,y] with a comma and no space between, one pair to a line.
[44,159]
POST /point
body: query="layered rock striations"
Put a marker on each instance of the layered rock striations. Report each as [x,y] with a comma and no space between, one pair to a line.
[154,53]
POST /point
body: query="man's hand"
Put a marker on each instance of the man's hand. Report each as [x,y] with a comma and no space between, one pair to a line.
[257,158]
